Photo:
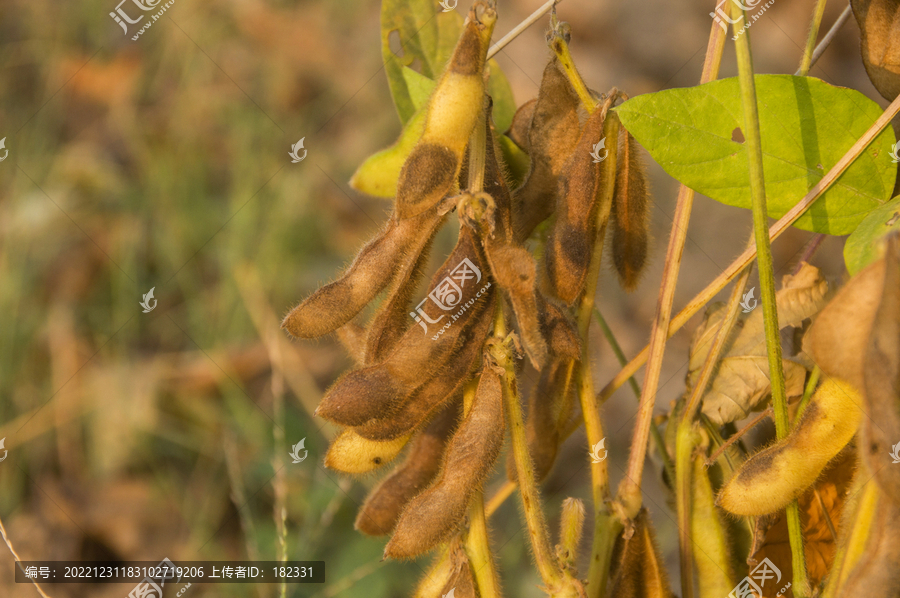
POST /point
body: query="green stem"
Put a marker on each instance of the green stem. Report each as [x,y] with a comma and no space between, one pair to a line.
[808,392]
[806,63]
[767,283]
[500,352]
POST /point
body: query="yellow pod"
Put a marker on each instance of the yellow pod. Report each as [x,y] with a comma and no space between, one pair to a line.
[775,476]
[351,453]
[432,167]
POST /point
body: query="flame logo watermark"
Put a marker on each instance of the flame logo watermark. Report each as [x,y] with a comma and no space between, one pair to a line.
[600,145]
[295,157]
[2,440]
[3,147]
[894,455]
[447,8]
[595,452]
[894,157]
[146,302]
[746,304]
[295,451]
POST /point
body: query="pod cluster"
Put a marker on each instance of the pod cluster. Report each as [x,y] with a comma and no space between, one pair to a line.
[417,358]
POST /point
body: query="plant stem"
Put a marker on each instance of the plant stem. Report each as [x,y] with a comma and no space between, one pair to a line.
[18,558]
[686,438]
[528,22]
[767,285]
[628,499]
[741,262]
[806,62]
[807,393]
[499,350]
[654,431]
[605,531]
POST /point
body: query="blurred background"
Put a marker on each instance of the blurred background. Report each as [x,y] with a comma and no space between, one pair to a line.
[162,163]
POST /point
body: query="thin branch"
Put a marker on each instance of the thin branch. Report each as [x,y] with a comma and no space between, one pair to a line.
[18,558]
[528,22]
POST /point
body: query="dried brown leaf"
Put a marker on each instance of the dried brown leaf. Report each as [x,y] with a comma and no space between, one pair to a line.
[879,24]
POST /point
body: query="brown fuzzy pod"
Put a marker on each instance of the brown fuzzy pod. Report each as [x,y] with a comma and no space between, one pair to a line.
[549,408]
[881,429]
[570,246]
[521,125]
[353,338]
[457,296]
[383,259]
[637,569]
[551,137]
[445,385]
[379,514]
[628,217]
[462,582]
[392,319]
[542,327]
[432,516]
[878,23]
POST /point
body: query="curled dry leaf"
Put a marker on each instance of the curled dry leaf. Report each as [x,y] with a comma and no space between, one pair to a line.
[431,516]
[741,381]
[379,514]
[879,23]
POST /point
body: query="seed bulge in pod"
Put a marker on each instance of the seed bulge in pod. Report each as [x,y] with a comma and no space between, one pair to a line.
[551,138]
[453,109]
[446,385]
[432,516]
[628,218]
[379,514]
[569,248]
[380,261]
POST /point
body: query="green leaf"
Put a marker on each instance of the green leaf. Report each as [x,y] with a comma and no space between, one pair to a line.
[418,86]
[807,125]
[378,175]
[863,246]
[500,91]
[427,37]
